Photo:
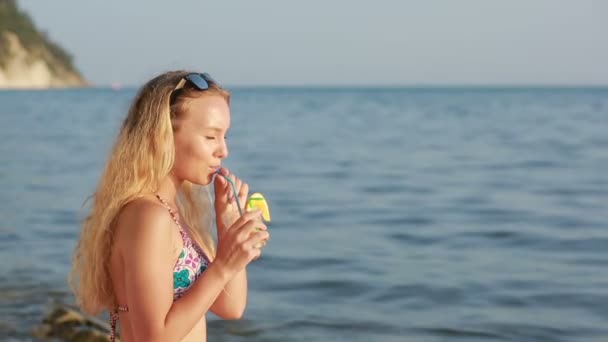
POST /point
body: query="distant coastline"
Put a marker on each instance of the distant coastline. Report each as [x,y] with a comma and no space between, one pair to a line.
[28,58]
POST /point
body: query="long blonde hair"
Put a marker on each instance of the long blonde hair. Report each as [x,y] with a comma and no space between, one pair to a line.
[142,156]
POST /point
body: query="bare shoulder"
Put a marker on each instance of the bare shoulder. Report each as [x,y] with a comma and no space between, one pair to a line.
[144,221]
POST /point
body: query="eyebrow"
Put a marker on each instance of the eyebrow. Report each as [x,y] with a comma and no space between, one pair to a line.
[214,129]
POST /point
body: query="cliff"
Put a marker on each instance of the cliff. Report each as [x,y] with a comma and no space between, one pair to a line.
[28,58]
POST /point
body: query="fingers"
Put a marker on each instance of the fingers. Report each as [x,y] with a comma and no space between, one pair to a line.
[251,233]
[243,194]
[223,171]
[256,252]
[258,237]
[219,178]
[245,239]
[252,243]
[252,226]
[258,240]
[251,218]
[219,183]
[240,187]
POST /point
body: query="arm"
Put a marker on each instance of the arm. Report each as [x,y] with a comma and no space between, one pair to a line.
[231,302]
[148,269]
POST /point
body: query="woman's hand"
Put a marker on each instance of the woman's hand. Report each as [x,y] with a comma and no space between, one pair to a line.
[241,243]
[226,209]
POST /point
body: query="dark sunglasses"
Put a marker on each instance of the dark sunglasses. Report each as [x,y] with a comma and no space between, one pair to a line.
[201,81]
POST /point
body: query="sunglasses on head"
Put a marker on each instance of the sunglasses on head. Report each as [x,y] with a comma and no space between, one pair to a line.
[201,81]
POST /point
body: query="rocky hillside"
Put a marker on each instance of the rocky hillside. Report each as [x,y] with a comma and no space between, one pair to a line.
[28,58]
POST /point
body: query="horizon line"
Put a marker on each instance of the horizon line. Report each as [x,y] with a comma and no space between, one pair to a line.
[392,85]
[118,86]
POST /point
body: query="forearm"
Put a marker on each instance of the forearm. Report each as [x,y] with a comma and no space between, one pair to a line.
[232,301]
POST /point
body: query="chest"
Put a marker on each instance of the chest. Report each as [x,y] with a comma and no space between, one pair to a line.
[190,264]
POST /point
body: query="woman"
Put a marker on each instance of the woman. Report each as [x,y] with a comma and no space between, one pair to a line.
[146,251]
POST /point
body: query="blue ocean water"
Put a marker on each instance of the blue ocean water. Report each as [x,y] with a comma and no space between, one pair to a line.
[399,214]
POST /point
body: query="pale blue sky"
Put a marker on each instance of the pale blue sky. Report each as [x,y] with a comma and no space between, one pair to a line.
[314,42]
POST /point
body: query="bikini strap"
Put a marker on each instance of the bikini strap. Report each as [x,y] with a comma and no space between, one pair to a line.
[114,319]
[171,211]
[186,239]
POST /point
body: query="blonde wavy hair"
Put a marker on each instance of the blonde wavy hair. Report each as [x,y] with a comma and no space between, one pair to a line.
[142,156]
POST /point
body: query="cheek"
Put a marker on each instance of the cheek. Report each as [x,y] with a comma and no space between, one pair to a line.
[201,149]
[192,150]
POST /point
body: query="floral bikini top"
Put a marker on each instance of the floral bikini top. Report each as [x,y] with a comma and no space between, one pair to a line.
[190,264]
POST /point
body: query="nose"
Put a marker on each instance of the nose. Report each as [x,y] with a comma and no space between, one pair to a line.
[222,150]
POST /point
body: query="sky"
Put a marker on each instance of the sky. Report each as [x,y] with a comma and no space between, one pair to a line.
[334,42]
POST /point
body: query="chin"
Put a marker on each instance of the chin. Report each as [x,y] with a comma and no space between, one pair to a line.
[203,180]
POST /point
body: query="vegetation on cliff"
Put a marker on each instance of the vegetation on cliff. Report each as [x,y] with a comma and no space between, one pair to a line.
[37,44]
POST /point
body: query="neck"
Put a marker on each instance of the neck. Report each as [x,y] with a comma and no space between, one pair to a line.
[168,189]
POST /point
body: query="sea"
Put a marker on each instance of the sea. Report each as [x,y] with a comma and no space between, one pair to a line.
[398,213]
